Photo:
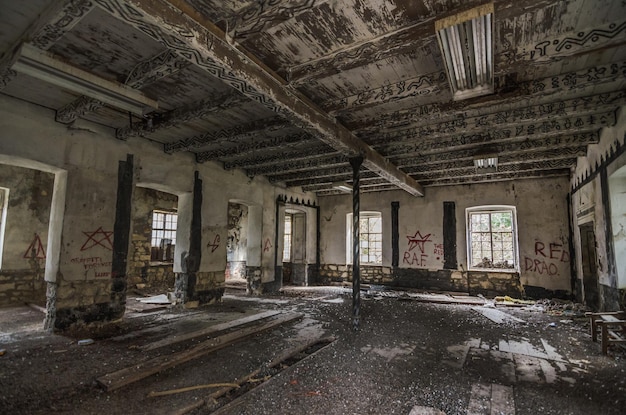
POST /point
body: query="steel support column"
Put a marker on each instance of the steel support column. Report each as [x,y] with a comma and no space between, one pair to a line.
[356,255]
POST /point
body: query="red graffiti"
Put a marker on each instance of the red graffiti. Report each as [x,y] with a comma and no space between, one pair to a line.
[420,261]
[555,251]
[418,240]
[540,267]
[98,237]
[438,251]
[215,244]
[35,249]
[546,257]
[267,246]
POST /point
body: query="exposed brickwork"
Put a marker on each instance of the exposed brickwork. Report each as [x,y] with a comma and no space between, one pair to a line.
[140,269]
[486,283]
[19,287]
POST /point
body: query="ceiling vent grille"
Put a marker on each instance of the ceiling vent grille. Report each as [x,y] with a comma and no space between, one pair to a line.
[466,43]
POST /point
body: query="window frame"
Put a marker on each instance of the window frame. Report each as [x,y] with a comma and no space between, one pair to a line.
[287,238]
[166,231]
[365,215]
[490,209]
[4,207]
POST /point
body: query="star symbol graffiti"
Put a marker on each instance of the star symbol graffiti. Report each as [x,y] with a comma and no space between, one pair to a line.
[98,237]
[418,240]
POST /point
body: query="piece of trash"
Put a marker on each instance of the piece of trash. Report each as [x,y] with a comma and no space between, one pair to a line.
[85,342]
[3,352]
[566,321]
[552,325]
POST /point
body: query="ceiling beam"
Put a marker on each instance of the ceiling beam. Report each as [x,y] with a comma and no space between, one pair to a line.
[268,144]
[511,95]
[254,129]
[318,150]
[194,111]
[500,137]
[468,120]
[423,85]
[294,166]
[424,136]
[510,152]
[186,31]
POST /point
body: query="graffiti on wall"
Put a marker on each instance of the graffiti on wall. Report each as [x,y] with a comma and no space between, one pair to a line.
[412,256]
[35,250]
[99,237]
[546,258]
[267,246]
[215,244]
[95,264]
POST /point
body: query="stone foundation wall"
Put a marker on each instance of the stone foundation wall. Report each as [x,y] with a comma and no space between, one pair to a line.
[209,287]
[254,276]
[19,287]
[485,283]
[235,269]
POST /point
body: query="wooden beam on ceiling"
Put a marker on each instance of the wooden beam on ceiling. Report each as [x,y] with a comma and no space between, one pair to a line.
[242,132]
[247,149]
[177,25]
[194,111]
[318,150]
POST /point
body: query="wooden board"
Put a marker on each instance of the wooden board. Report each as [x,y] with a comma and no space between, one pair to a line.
[136,372]
[209,330]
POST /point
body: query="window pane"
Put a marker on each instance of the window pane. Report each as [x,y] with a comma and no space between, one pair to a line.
[376,225]
[491,239]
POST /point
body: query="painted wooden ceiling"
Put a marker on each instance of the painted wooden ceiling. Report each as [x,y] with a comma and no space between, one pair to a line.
[294,89]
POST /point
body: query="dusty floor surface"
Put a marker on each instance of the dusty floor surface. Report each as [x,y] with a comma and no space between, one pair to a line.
[409,357]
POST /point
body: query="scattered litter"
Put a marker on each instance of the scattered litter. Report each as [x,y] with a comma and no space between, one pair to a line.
[566,321]
[85,342]
[497,316]
[334,301]
[507,299]
[3,352]
[552,324]
[157,299]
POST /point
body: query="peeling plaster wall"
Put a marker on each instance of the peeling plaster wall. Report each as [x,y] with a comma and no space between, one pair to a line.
[591,205]
[543,235]
[91,154]
[26,235]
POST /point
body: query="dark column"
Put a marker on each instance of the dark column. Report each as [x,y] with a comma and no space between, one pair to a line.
[395,236]
[608,294]
[449,235]
[356,255]
[121,235]
[195,238]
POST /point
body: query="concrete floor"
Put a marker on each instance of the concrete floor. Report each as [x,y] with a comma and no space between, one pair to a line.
[414,354]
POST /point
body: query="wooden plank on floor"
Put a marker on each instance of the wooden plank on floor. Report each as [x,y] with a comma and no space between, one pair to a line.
[209,330]
[425,410]
[528,368]
[502,402]
[136,372]
[480,400]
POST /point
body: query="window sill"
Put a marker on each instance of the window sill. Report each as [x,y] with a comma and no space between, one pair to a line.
[160,263]
[495,270]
